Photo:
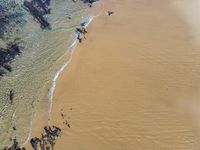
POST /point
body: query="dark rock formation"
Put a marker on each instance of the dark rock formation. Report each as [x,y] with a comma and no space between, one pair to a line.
[14,146]
[38,9]
[35,142]
[47,140]
[7,55]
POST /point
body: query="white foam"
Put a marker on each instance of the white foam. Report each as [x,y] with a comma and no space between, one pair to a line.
[53,85]
[52,89]
[30,131]
[89,21]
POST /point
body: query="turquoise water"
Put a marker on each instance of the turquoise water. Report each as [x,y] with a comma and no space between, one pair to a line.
[43,54]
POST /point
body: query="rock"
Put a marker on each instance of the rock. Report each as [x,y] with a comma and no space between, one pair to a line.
[34,142]
[38,9]
[14,146]
[7,55]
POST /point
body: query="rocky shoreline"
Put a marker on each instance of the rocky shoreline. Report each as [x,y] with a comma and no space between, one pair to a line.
[7,54]
[12,21]
[47,140]
[12,18]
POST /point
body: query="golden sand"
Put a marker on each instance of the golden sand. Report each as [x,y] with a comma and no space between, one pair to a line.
[133,83]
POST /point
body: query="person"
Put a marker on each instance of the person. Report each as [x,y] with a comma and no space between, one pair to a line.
[79,37]
[83,30]
[90,5]
[110,13]
[78,30]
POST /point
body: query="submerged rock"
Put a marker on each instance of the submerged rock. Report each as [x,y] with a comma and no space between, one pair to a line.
[14,146]
[12,18]
[7,55]
[38,9]
[47,140]
[35,142]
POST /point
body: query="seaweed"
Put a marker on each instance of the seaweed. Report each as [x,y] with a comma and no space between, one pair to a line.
[89,1]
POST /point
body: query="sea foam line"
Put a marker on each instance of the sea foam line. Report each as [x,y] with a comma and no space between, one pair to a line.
[51,91]
[30,131]
[72,48]
[53,85]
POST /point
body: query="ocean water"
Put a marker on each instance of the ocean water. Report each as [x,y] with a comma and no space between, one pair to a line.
[43,54]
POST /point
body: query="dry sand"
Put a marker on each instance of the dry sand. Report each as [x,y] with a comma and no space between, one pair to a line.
[133,83]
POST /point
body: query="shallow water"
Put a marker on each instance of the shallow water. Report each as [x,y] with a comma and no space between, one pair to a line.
[34,69]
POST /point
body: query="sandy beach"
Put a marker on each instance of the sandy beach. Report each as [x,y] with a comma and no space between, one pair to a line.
[132,84]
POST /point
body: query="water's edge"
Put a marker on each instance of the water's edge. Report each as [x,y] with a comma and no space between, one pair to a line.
[71,48]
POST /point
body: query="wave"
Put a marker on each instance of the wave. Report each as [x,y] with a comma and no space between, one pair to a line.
[70,48]
[87,20]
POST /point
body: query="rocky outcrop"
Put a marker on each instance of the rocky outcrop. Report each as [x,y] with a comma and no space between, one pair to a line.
[47,140]
[39,9]
[7,55]
[89,1]
[14,146]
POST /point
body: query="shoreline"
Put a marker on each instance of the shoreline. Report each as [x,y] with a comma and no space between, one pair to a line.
[87,19]
[35,67]
[170,115]
[71,48]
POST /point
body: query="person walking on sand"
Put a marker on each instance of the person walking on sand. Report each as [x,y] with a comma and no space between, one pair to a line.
[79,37]
[84,31]
[110,13]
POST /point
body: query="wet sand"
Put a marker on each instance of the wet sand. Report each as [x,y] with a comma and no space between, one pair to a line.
[133,83]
